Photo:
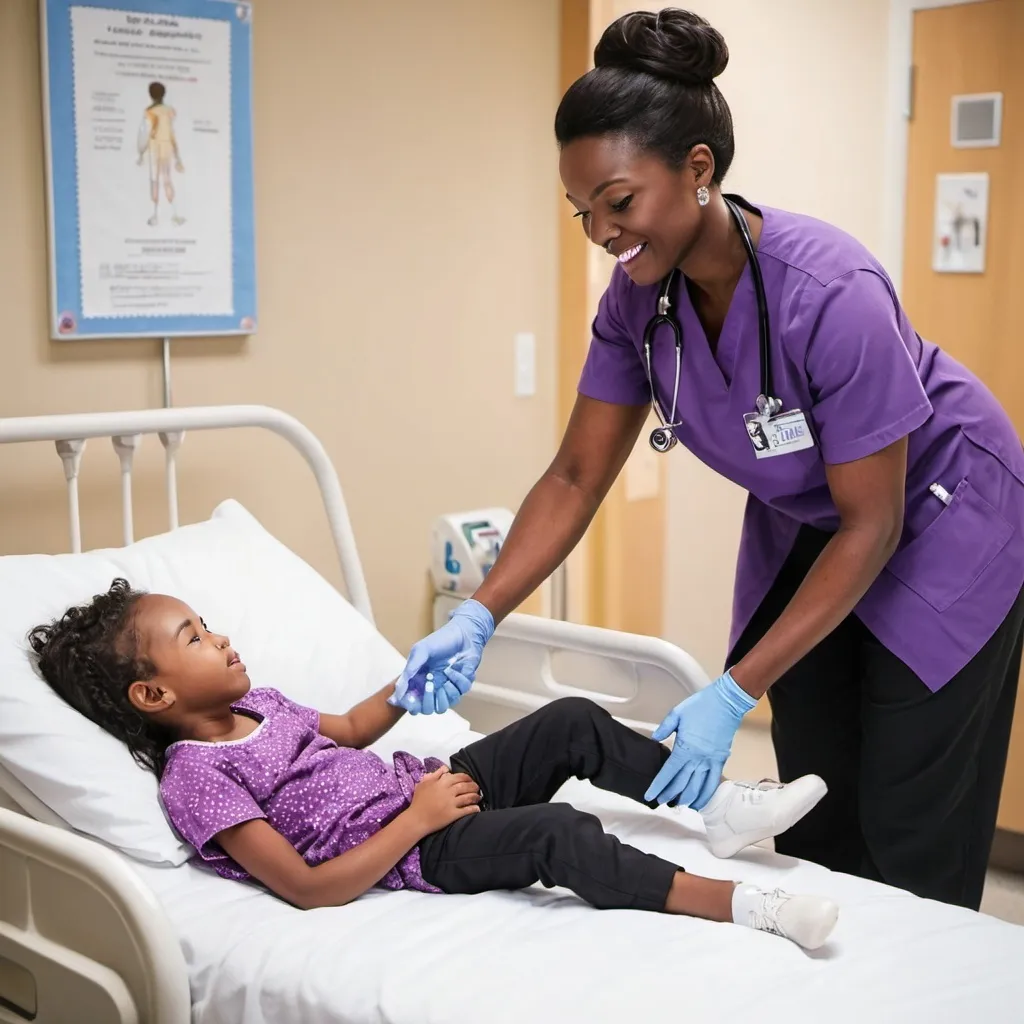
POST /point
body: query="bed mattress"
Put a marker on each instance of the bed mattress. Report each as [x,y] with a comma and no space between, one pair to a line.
[542,955]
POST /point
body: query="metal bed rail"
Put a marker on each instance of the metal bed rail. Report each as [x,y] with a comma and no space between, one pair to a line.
[70,432]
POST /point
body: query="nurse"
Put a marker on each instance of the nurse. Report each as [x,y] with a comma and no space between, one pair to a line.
[878,593]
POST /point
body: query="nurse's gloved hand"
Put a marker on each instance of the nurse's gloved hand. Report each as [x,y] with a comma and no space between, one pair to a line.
[451,655]
[705,725]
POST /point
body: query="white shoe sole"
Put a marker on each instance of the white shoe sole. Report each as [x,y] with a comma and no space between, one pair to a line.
[813,789]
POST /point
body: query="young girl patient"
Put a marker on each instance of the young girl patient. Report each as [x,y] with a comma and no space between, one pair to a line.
[269,790]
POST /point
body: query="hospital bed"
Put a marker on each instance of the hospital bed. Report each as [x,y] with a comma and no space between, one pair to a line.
[103,918]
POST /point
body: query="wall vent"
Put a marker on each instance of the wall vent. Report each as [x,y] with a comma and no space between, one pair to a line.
[977,120]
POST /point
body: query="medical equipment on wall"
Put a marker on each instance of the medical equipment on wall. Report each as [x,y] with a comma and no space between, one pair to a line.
[662,438]
[463,547]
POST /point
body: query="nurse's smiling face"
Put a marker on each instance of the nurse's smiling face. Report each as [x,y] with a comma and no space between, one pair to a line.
[633,204]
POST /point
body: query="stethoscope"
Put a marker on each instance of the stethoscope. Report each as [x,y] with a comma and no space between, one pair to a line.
[662,438]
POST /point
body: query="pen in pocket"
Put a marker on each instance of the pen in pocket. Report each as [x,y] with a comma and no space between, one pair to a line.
[941,493]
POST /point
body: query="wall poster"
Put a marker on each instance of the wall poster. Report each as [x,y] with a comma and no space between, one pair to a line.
[149,167]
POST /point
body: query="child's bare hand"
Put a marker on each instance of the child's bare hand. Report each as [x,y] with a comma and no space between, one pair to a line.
[442,797]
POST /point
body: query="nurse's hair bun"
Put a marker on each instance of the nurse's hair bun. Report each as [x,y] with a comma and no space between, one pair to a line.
[670,44]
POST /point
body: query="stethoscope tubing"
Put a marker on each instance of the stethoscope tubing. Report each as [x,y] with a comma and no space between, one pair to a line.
[662,438]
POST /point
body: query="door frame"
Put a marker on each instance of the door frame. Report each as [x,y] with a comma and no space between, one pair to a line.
[578,585]
[894,183]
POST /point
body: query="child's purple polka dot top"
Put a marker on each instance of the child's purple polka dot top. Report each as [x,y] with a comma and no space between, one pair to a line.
[323,798]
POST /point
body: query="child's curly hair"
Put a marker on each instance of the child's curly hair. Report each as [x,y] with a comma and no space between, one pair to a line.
[90,657]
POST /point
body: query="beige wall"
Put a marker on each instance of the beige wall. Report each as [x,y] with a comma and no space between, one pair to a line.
[807,86]
[406,199]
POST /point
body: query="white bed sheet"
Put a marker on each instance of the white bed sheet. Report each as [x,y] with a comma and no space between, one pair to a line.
[542,955]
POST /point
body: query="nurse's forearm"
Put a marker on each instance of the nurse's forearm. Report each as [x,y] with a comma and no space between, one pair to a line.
[556,513]
[840,577]
[550,523]
[869,497]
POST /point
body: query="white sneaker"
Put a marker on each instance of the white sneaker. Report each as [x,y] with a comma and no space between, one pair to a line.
[806,920]
[742,813]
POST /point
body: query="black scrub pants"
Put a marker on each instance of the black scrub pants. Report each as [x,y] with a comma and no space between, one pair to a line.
[914,777]
[518,838]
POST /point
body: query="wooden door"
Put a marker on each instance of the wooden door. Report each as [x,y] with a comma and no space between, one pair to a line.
[977,317]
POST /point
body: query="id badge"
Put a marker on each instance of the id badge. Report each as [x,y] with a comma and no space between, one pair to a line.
[778,435]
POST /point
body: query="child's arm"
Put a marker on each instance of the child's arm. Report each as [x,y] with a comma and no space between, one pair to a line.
[365,723]
[440,798]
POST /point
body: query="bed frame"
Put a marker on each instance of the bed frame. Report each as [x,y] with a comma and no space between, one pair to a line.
[82,938]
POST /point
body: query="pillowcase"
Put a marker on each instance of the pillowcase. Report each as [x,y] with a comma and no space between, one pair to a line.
[294,631]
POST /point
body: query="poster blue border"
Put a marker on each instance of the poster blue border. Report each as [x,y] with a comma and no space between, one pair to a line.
[65,258]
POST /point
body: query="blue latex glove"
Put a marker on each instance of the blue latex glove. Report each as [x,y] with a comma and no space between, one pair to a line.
[451,655]
[705,725]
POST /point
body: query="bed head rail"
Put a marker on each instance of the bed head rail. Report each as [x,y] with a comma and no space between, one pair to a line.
[70,432]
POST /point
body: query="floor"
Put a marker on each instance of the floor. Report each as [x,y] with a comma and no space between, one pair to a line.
[753,758]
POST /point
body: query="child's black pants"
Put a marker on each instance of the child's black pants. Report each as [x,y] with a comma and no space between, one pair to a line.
[519,838]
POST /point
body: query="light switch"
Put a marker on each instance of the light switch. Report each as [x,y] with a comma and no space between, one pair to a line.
[525,365]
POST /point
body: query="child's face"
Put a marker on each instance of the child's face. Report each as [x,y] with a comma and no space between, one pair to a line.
[196,670]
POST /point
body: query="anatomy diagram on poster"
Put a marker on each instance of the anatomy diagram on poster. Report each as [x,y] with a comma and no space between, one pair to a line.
[154,235]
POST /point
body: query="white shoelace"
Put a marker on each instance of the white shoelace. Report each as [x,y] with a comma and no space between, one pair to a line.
[766,919]
[753,792]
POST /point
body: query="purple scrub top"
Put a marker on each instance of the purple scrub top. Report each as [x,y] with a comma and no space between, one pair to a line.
[844,352]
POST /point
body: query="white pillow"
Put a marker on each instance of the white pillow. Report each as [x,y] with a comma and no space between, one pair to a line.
[293,629]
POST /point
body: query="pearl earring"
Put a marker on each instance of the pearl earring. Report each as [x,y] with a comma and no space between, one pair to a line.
[703,196]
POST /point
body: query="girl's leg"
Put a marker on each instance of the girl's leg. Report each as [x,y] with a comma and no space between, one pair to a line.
[696,896]
[527,761]
[556,844]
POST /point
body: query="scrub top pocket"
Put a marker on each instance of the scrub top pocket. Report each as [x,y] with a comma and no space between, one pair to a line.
[942,562]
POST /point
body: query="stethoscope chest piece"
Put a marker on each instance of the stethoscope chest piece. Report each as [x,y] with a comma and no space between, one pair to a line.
[662,440]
